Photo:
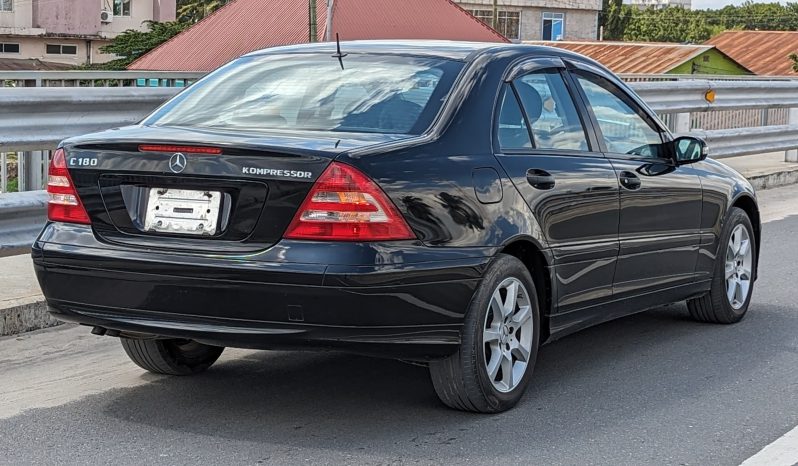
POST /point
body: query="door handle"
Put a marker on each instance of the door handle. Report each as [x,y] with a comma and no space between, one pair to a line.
[539,179]
[629,180]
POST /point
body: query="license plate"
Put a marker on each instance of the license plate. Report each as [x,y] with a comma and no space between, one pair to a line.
[183,211]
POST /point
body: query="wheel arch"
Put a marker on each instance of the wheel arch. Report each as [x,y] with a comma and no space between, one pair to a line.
[533,257]
[749,206]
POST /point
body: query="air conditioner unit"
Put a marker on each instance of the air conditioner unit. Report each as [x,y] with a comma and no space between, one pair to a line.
[107,16]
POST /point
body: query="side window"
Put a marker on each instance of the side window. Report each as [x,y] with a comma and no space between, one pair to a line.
[623,127]
[512,129]
[551,112]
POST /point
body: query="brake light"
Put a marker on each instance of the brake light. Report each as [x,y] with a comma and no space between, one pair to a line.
[64,204]
[183,149]
[345,205]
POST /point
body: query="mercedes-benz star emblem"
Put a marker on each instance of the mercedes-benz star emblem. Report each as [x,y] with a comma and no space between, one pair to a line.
[177,163]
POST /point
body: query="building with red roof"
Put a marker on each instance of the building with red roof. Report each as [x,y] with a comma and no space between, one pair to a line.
[243,26]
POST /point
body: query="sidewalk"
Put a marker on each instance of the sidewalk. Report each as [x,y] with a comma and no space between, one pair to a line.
[22,307]
[765,170]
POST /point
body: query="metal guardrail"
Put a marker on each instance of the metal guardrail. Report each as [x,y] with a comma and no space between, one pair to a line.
[39,118]
[631,77]
[679,99]
[23,216]
[98,78]
[765,139]
[690,96]
[36,119]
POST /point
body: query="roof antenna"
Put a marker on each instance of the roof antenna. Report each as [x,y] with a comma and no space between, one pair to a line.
[340,56]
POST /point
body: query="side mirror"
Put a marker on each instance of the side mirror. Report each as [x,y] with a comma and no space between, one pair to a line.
[690,149]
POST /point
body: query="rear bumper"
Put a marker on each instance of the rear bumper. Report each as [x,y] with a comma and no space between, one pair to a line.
[399,300]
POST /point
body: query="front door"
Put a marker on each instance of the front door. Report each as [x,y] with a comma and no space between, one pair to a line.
[570,187]
[660,202]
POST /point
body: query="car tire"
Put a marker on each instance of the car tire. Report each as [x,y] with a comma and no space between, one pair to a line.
[172,356]
[469,379]
[733,281]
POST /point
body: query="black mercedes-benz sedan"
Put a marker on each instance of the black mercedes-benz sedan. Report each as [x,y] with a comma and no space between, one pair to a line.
[455,204]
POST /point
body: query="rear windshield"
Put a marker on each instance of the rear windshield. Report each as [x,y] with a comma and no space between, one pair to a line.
[372,94]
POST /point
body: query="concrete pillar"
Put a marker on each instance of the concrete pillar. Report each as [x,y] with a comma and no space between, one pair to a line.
[31,170]
[38,161]
[22,167]
[681,123]
[3,173]
[792,154]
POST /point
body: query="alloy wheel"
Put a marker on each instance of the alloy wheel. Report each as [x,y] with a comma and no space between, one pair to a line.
[739,262]
[507,335]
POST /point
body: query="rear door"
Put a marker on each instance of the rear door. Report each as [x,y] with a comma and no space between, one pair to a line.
[569,185]
[660,202]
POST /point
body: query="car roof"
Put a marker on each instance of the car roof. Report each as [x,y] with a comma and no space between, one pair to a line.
[453,50]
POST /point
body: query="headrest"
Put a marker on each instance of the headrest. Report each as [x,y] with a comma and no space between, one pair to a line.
[530,97]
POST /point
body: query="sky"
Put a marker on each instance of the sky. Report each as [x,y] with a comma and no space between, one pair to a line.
[703,4]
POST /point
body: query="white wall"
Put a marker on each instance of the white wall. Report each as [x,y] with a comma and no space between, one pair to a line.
[580,24]
[36,48]
[21,17]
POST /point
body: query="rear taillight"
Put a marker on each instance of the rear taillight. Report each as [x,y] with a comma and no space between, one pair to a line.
[64,204]
[345,205]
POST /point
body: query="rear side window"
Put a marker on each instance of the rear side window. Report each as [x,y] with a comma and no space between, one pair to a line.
[372,94]
[546,108]
[512,130]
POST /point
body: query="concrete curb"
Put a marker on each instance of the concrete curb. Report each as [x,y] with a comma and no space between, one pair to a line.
[25,315]
[774,180]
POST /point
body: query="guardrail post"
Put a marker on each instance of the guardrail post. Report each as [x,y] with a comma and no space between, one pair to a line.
[3,172]
[792,154]
[22,167]
[36,170]
[681,123]
[30,170]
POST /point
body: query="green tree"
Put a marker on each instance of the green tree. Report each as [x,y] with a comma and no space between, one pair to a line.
[191,11]
[794,59]
[681,25]
[615,17]
[132,44]
[667,25]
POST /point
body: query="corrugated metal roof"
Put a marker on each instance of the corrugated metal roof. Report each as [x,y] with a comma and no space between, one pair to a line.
[238,28]
[22,64]
[763,52]
[633,57]
[246,25]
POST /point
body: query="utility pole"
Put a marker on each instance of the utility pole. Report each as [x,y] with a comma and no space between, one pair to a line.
[328,28]
[312,27]
[495,21]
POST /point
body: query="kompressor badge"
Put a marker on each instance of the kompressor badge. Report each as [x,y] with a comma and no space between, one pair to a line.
[275,172]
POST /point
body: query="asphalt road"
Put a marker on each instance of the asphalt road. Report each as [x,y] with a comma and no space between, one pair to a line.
[655,388]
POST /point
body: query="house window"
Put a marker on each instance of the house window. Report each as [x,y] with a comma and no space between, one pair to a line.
[509,24]
[6,5]
[58,49]
[486,16]
[121,7]
[553,26]
[9,48]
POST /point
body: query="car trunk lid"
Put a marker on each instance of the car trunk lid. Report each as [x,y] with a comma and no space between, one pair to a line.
[200,190]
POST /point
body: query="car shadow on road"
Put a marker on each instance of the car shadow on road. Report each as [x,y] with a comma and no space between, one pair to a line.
[605,376]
